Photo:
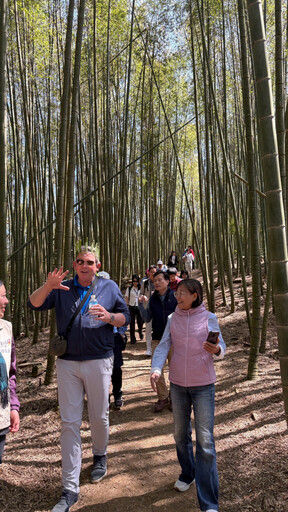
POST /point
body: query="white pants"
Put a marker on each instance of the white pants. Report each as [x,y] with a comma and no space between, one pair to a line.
[148,336]
[189,267]
[75,379]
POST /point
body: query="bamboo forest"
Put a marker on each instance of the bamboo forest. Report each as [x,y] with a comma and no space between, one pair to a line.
[135,125]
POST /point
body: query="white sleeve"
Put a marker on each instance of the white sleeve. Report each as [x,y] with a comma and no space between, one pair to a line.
[162,350]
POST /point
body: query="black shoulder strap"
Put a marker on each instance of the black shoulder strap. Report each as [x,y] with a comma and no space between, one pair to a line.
[80,306]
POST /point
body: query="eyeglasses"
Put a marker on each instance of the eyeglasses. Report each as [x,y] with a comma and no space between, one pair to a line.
[89,262]
[181,294]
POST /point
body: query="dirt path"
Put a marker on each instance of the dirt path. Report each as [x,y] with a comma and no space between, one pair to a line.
[250,432]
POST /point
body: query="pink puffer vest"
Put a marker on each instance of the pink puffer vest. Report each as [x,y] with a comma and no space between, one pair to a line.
[190,364]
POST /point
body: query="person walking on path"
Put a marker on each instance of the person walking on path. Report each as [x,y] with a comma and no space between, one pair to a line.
[131,297]
[9,402]
[173,260]
[174,279]
[86,366]
[161,266]
[120,340]
[192,385]
[189,262]
[147,289]
[161,304]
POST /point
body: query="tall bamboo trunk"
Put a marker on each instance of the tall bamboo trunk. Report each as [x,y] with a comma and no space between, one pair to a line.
[37,270]
[61,174]
[70,182]
[3,161]
[272,184]
[253,203]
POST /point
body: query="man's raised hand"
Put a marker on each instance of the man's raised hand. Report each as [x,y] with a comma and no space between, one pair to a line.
[55,278]
[53,282]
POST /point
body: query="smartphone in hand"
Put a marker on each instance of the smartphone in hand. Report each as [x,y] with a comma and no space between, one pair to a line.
[213,337]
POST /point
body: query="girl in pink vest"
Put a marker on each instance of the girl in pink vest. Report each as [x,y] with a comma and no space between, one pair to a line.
[192,379]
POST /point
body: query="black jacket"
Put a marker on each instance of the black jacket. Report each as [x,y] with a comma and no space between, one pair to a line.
[171,264]
[158,311]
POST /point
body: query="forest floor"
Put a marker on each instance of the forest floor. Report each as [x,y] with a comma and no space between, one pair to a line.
[250,433]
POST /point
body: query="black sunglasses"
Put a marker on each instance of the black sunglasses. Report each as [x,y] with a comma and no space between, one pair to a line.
[89,262]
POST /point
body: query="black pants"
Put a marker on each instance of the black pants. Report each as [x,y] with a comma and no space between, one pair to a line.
[2,444]
[135,313]
[116,377]
[117,383]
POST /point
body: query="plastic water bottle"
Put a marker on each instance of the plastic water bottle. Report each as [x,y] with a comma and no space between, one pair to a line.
[93,320]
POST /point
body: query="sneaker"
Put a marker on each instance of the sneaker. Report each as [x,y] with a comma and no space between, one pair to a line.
[148,353]
[68,499]
[161,404]
[182,486]
[211,510]
[118,403]
[99,468]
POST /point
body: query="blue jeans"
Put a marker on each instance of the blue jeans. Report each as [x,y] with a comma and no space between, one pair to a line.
[203,466]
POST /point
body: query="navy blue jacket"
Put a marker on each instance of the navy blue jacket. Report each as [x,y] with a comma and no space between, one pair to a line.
[158,311]
[84,341]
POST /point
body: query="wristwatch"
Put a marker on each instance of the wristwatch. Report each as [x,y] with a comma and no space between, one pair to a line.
[112,318]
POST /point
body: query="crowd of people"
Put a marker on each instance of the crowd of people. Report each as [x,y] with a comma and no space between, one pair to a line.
[177,327]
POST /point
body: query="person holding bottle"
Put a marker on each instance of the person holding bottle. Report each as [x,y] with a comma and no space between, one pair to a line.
[87,364]
[192,385]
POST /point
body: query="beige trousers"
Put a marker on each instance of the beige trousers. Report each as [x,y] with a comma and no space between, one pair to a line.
[162,389]
[75,380]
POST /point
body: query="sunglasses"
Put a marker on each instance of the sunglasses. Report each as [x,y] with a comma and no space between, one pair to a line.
[89,262]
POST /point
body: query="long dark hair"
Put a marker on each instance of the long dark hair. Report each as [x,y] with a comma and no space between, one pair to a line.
[193,286]
[134,277]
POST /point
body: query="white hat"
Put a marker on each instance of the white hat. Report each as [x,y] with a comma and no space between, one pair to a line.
[159,262]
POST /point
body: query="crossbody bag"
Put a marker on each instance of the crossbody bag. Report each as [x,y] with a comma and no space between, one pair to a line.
[58,344]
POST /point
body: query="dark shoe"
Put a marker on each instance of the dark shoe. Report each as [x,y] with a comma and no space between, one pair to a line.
[161,404]
[133,342]
[99,468]
[141,337]
[68,499]
[118,403]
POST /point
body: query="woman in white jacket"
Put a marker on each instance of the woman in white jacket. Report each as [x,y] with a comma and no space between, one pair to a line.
[132,299]
[192,377]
